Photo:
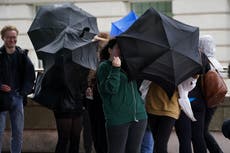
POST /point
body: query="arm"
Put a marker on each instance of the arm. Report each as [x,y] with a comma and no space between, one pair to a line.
[108,78]
[29,77]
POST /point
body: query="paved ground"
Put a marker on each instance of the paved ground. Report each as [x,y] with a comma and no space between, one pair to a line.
[173,145]
[222,141]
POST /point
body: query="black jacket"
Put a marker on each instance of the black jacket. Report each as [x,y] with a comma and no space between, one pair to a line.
[197,91]
[25,68]
[62,88]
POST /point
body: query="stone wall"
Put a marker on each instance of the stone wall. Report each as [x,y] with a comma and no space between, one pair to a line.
[212,17]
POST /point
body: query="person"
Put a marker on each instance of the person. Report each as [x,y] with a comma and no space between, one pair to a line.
[162,114]
[183,127]
[207,46]
[163,111]
[188,131]
[197,132]
[94,103]
[226,128]
[147,144]
[87,134]
[123,107]
[17,77]
[65,86]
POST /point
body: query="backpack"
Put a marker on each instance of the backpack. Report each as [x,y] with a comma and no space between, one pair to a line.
[214,88]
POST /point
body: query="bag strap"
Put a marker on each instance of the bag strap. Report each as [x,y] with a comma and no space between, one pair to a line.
[213,66]
[203,74]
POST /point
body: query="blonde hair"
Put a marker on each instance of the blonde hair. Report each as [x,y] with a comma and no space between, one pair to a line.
[8,28]
[106,38]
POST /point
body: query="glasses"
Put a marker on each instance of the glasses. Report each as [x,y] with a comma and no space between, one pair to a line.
[10,37]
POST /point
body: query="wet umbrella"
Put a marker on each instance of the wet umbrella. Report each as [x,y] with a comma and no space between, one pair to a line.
[159,48]
[51,20]
[123,24]
[72,45]
[63,33]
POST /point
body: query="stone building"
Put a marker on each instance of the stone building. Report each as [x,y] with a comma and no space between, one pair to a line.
[211,16]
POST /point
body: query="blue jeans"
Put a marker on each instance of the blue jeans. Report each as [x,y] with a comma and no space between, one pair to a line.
[17,123]
[147,143]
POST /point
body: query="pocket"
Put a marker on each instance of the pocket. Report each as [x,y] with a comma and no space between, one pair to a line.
[5,101]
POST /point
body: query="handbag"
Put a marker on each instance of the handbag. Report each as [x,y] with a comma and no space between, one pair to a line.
[214,88]
[5,101]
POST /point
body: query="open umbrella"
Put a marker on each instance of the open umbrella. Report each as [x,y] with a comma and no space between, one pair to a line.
[71,44]
[51,20]
[159,48]
[123,24]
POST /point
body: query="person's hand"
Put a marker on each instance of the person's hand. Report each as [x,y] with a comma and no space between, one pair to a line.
[116,62]
[5,88]
[97,38]
[89,92]
[196,76]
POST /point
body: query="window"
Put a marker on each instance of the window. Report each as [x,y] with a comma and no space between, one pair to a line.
[162,6]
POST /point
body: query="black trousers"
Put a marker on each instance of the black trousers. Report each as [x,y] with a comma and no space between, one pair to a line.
[188,131]
[127,137]
[161,127]
[211,143]
[69,130]
[87,134]
[97,121]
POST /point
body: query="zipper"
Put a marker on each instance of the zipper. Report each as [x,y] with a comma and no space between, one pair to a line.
[135,103]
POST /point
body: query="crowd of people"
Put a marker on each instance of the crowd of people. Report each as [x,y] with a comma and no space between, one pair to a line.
[122,117]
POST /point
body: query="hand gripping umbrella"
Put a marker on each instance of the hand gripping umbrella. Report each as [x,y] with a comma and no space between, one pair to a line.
[51,20]
[123,24]
[161,49]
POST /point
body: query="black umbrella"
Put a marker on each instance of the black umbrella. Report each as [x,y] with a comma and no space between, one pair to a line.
[159,48]
[51,20]
[72,44]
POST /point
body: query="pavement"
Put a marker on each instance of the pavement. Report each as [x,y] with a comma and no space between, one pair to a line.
[173,145]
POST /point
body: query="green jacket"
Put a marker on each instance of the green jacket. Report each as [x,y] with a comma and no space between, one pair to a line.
[122,102]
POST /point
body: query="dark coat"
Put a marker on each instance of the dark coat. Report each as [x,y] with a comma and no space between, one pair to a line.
[62,89]
[25,68]
[197,91]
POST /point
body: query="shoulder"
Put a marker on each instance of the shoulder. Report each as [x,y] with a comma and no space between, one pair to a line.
[104,64]
[103,68]
[21,51]
[2,49]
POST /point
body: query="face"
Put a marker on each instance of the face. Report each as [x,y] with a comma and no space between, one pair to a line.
[115,51]
[10,39]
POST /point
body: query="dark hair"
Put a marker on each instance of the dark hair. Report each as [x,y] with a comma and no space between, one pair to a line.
[104,54]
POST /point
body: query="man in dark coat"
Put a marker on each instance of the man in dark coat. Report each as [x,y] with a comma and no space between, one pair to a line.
[16,81]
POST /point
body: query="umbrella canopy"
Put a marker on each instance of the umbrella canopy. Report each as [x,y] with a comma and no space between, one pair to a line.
[159,48]
[51,20]
[73,45]
[123,24]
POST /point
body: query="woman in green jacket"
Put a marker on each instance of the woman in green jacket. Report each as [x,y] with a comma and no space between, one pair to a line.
[123,107]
